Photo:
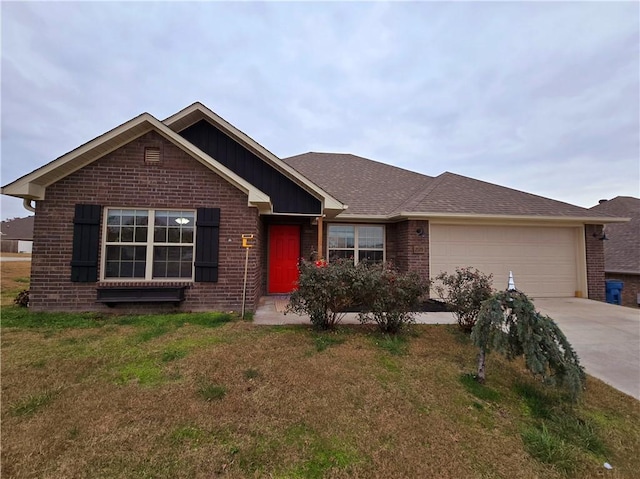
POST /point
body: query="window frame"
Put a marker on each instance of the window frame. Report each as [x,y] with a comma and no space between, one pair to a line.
[150,244]
[356,236]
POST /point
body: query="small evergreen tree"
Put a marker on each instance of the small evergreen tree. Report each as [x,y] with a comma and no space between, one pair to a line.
[509,324]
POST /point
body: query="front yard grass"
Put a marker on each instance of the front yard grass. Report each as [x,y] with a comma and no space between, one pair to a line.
[14,277]
[204,395]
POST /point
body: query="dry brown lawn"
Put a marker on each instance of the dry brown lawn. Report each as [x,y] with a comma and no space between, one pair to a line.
[14,277]
[246,401]
[175,397]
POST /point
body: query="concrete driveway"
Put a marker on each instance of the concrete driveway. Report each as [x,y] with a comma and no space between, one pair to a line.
[605,336]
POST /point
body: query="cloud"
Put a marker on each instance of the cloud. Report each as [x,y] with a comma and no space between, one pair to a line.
[541,97]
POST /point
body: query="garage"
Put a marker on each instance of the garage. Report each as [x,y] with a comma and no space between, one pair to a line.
[546,260]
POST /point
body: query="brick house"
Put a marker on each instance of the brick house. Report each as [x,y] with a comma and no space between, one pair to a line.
[16,235]
[150,216]
[622,248]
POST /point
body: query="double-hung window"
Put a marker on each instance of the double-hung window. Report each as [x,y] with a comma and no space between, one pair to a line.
[358,242]
[148,244]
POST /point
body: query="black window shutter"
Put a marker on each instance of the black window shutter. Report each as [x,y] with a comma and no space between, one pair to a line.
[86,241]
[207,244]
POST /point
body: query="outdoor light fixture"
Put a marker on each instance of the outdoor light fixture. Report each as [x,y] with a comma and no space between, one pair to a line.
[420,232]
[603,236]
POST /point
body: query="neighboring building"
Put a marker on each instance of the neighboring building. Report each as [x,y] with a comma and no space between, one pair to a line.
[622,247]
[16,235]
[154,211]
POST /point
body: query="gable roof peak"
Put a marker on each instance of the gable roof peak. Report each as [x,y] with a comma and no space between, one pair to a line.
[32,186]
[197,111]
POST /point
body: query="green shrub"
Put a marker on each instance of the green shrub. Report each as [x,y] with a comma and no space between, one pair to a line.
[464,291]
[388,297]
[325,291]
[22,298]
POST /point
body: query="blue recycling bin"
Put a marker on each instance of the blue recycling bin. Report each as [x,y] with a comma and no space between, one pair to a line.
[614,291]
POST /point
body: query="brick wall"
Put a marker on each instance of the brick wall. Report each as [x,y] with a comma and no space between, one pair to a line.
[391,243]
[122,179]
[595,262]
[411,247]
[630,288]
[402,246]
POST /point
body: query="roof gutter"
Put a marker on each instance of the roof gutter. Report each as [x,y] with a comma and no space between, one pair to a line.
[458,217]
[615,271]
[596,220]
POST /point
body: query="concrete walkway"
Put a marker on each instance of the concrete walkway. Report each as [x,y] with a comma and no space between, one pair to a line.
[605,336]
[267,314]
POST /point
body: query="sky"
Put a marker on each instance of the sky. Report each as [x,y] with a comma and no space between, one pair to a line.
[542,97]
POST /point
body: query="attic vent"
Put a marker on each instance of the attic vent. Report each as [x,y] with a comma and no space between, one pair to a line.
[152,155]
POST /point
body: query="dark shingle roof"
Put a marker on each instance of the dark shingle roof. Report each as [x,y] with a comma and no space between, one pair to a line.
[372,188]
[622,250]
[452,193]
[17,228]
[367,187]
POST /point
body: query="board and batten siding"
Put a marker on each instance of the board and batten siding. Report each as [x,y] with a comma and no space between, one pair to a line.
[286,196]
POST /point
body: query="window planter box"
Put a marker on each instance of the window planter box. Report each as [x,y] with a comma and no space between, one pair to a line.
[141,294]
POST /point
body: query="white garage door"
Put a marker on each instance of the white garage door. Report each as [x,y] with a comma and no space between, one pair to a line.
[543,259]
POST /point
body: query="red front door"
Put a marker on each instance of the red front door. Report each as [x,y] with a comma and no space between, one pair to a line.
[284,254]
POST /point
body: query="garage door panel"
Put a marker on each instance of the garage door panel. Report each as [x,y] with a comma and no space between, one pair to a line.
[543,259]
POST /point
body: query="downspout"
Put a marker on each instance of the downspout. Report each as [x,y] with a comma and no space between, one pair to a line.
[26,202]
